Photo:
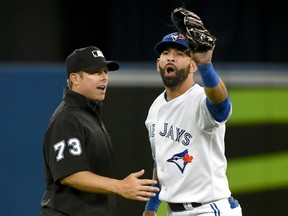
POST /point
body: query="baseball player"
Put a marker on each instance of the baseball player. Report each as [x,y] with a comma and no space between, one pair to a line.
[77,148]
[186,127]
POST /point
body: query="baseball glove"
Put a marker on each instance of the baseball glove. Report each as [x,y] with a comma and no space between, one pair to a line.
[197,37]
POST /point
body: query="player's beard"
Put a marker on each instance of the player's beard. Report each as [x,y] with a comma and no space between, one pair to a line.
[180,76]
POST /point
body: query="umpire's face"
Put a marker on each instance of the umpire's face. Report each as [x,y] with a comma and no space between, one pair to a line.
[92,85]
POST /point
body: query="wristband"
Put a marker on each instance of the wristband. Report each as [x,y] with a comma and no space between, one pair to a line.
[209,76]
[154,202]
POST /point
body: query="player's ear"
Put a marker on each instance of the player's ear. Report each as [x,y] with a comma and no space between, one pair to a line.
[157,64]
[193,67]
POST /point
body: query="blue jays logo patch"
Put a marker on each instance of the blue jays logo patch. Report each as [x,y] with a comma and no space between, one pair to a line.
[178,36]
[181,159]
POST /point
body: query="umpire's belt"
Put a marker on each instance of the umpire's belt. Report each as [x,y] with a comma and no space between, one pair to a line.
[178,207]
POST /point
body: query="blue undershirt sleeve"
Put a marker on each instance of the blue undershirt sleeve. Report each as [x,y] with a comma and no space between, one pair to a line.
[154,202]
[219,111]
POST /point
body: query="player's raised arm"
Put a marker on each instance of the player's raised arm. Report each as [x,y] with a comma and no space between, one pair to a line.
[201,43]
[214,87]
[218,101]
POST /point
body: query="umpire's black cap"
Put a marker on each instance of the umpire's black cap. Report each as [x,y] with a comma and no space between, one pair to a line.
[88,59]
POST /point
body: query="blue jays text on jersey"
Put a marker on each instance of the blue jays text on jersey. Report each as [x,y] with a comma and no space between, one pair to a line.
[172,132]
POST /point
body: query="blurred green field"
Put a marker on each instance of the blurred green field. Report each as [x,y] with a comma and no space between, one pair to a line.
[256,106]
[252,174]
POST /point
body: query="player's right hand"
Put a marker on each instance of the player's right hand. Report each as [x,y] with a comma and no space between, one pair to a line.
[203,57]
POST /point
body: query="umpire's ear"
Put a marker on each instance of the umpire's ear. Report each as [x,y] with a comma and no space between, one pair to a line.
[74,79]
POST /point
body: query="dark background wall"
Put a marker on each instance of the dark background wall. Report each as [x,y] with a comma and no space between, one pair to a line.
[48,30]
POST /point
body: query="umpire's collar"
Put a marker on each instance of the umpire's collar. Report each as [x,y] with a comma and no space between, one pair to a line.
[73,98]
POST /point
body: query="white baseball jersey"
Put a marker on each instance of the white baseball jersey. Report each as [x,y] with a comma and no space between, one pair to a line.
[188,147]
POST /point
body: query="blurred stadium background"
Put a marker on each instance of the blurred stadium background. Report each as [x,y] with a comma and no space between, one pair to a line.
[251,56]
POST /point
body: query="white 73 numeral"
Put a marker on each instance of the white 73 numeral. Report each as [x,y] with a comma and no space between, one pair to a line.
[76,149]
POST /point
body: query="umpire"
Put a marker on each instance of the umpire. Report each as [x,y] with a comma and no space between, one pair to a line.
[78,152]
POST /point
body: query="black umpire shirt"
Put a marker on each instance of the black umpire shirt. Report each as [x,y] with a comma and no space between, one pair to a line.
[76,140]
